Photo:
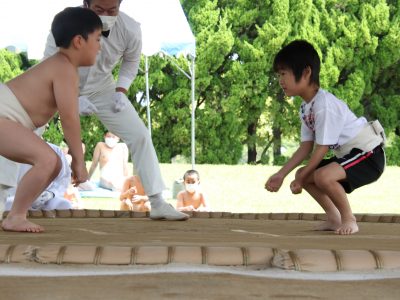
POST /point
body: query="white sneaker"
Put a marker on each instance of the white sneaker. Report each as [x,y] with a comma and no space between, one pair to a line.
[40,202]
[167,212]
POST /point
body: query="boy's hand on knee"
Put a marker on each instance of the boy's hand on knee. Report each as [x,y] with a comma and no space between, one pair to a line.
[296,187]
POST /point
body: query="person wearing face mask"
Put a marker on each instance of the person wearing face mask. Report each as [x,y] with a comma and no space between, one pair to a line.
[112,158]
[101,95]
[192,198]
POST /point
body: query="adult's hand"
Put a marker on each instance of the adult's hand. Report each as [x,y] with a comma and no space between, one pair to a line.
[120,101]
[86,108]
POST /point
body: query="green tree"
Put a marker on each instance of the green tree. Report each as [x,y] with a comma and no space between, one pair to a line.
[10,65]
[359,45]
[217,129]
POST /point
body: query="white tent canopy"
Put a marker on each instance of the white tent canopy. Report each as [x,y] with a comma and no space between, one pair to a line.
[164,26]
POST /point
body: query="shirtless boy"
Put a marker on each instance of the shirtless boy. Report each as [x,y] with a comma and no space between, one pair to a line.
[191,199]
[326,123]
[112,157]
[30,100]
[133,196]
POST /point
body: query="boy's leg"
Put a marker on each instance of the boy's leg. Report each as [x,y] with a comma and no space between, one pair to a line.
[22,145]
[327,179]
[3,199]
[130,128]
[333,221]
[8,179]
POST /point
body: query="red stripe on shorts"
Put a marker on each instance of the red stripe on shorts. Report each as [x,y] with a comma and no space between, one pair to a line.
[358,160]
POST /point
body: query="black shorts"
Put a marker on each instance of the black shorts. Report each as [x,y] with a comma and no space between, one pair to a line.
[361,167]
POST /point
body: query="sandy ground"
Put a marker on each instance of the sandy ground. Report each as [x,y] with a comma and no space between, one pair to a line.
[192,286]
[31,281]
[204,232]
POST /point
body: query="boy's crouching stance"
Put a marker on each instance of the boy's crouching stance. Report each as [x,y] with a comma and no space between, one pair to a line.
[30,100]
[327,123]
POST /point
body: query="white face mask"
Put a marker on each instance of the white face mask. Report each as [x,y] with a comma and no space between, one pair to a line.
[191,188]
[108,22]
[111,142]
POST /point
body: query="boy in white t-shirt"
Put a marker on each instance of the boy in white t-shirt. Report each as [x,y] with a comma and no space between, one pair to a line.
[327,123]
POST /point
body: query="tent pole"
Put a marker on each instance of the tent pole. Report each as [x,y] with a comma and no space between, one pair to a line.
[193,113]
[147,93]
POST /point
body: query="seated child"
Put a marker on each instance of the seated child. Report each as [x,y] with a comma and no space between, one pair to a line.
[31,99]
[112,157]
[74,197]
[326,123]
[133,196]
[191,199]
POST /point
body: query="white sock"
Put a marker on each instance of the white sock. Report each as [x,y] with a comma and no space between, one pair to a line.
[156,200]
[3,198]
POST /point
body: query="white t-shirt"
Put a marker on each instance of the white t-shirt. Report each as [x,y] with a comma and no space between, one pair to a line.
[124,42]
[326,120]
[60,184]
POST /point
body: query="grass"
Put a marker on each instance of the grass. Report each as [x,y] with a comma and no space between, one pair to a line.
[240,188]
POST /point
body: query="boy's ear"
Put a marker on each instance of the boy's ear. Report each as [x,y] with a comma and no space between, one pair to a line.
[77,41]
[307,72]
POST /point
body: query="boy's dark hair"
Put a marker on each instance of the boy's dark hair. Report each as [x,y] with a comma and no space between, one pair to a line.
[190,173]
[74,21]
[87,2]
[297,56]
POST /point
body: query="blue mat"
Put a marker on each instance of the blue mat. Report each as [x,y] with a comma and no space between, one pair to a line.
[99,192]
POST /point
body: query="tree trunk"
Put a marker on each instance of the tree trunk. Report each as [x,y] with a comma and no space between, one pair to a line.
[276,129]
[277,133]
[251,144]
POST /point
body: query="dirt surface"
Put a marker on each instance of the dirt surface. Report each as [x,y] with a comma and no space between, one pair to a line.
[198,232]
[192,286]
[204,232]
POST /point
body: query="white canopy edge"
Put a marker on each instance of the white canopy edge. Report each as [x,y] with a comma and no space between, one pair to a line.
[164,26]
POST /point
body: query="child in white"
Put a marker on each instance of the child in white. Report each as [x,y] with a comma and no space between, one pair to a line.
[327,123]
[53,196]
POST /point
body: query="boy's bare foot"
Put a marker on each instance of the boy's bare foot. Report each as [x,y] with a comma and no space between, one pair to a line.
[20,224]
[332,223]
[347,227]
[328,225]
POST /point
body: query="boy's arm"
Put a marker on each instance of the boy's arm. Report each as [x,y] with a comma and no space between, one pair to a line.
[204,203]
[316,157]
[65,87]
[95,159]
[274,183]
[297,158]
[125,190]
[179,202]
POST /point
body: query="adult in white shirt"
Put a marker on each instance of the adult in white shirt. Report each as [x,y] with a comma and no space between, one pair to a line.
[106,98]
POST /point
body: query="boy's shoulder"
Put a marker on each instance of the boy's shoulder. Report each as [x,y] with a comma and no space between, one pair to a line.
[181,192]
[59,63]
[326,98]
